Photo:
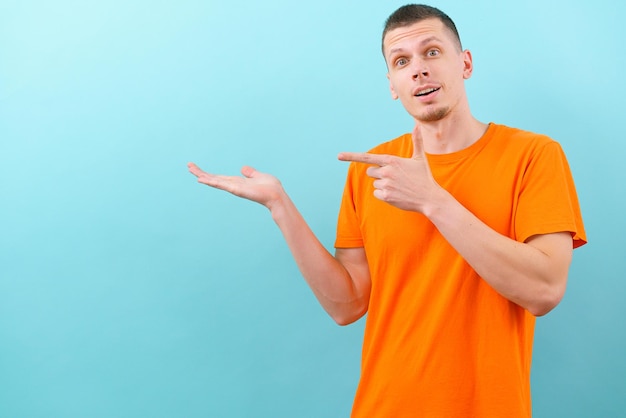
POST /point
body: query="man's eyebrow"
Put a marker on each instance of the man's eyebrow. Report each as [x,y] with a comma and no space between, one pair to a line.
[394,50]
[429,40]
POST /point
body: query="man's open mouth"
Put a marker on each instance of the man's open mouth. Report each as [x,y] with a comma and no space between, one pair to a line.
[426,92]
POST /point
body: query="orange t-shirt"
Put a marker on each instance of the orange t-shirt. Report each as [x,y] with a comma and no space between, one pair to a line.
[439,341]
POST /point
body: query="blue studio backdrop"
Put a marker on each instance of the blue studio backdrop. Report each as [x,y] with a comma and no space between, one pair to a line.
[129,290]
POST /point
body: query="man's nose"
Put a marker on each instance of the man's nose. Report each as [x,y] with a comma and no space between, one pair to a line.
[420,70]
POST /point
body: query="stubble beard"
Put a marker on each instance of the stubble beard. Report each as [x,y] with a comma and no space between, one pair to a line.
[433,114]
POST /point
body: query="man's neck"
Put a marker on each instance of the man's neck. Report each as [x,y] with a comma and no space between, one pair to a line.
[451,134]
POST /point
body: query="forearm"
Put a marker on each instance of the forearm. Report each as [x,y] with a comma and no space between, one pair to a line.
[338,293]
[533,276]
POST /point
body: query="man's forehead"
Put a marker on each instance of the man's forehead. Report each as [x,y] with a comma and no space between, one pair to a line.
[427,28]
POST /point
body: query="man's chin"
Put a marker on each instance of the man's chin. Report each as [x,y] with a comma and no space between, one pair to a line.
[433,115]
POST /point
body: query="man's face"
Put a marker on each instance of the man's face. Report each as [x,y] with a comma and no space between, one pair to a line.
[427,69]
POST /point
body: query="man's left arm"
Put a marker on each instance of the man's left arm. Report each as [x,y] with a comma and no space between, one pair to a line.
[532,274]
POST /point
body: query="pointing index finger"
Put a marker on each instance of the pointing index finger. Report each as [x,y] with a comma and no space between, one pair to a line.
[363,157]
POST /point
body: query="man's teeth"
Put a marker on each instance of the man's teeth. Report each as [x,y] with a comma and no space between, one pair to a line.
[425,92]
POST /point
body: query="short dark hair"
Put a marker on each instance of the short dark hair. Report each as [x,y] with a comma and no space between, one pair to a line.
[413,13]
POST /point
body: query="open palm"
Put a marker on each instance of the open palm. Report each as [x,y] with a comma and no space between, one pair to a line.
[259,187]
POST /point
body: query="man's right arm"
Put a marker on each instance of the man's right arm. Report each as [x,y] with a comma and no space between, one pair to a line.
[340,283]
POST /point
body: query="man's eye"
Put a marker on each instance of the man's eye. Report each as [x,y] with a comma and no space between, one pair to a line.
[401,61]
[433,53]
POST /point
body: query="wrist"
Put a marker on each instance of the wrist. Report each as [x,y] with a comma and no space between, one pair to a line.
[278,205]
[437,203]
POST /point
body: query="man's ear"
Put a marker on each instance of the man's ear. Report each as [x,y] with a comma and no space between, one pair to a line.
[468,65]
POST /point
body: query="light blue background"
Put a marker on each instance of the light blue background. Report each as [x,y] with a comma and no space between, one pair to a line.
[128,290]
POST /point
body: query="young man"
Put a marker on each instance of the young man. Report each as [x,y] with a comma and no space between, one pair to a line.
[452,239]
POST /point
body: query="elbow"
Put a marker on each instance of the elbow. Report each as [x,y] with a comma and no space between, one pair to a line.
[547,301]
[541,309]
[343,321]
[347,318]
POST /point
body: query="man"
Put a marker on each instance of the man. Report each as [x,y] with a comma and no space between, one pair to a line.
[452,239]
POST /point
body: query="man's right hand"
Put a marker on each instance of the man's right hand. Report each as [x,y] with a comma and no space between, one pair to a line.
[256,186]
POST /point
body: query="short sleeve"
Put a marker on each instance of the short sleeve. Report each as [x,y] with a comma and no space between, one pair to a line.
[348,229]
[548,201]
